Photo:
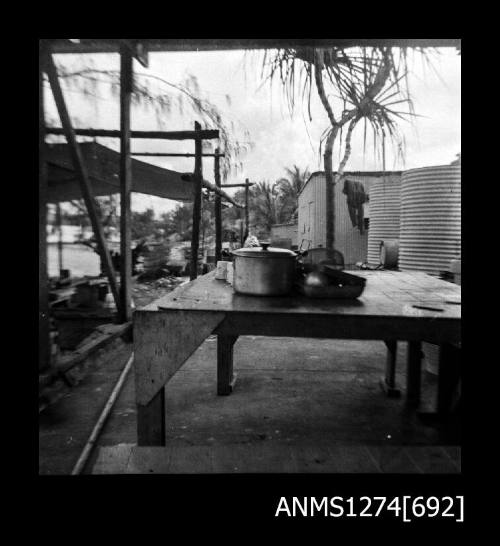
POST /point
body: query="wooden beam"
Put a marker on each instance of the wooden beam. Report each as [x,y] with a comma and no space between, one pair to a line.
[238,185]
[158,154]
[188,177]
[126,85]
[205,134]
[92,45]
[197,185]
[81,171]
[43,290]
[218,209]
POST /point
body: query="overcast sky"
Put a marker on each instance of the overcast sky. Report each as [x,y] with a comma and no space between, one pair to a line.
[279,140]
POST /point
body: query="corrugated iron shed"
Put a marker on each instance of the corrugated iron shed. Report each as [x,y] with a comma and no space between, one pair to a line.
[312,215]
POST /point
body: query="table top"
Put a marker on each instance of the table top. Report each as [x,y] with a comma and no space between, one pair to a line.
[387,294]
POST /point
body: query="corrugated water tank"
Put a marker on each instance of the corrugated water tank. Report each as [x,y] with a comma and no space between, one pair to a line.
[385,208]
[430,225]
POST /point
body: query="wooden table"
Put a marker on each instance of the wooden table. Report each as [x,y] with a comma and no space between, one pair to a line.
[168,331]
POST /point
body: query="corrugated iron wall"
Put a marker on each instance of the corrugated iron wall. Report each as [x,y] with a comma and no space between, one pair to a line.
[312,212]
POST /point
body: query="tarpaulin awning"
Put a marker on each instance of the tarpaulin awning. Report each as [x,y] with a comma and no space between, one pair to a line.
[103,166]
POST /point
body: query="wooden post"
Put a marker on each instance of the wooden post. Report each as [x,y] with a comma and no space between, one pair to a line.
[59,237]
[82,174]
[198,176]
[43,292]
[126,85]
[218,209]
[247,187]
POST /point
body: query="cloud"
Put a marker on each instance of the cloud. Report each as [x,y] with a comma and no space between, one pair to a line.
[280,141]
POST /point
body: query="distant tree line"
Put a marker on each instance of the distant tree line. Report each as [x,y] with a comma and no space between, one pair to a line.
[269,203]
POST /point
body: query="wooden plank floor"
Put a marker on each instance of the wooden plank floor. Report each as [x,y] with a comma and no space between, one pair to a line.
[274,457]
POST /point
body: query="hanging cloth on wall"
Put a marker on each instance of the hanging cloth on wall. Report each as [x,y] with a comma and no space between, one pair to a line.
[356,197]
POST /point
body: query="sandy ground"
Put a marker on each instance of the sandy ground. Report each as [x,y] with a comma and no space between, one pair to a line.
[300,391]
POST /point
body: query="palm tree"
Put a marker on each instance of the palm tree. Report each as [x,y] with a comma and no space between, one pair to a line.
[353,84]
[266,205]
[289,189]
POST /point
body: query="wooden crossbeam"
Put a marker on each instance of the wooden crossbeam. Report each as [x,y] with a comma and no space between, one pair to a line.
[246,185]
[203,134]
[82,174]
[93,45]
[160,154]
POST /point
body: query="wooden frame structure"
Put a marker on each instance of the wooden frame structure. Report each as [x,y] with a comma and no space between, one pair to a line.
[122,291]
[247,186]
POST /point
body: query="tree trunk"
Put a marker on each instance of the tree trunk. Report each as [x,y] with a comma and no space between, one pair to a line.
[330,193]
[347,151]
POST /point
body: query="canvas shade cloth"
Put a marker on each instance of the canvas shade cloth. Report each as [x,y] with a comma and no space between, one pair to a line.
[103,166]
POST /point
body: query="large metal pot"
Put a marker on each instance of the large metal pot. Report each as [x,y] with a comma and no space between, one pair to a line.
[264,271]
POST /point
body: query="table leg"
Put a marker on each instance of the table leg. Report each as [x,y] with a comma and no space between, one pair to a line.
[388,383]
[449,374]
[226,378]
[414,372]
[151,421]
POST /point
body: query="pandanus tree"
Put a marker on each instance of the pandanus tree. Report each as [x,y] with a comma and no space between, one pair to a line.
[353,85]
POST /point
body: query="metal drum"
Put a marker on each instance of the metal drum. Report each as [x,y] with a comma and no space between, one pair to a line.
[389,251]
[430,230]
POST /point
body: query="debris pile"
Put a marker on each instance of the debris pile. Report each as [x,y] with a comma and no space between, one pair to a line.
[152,285]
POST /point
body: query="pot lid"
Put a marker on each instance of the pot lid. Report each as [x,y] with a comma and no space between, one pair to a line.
[264,251]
